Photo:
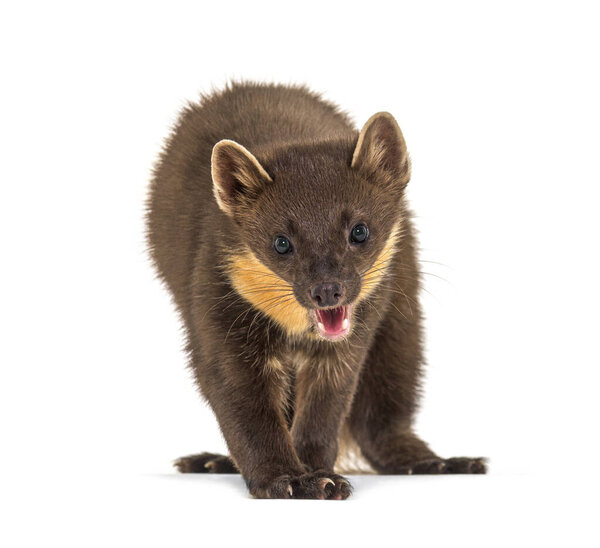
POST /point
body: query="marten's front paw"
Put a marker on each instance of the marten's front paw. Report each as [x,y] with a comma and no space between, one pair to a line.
[317,485]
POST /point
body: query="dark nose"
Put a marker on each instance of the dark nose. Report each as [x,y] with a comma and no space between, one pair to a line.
[327,294]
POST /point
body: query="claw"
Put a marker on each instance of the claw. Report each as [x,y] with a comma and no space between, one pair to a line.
[210,464]
[325,481]
[289,490]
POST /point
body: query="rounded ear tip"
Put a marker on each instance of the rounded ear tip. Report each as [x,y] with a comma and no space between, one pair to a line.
[380,142]
[216,150]
[225,143]
[382,115]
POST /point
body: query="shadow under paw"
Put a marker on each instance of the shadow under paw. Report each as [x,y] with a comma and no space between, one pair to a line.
[206,463]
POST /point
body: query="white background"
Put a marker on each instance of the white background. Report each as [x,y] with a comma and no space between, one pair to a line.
[499,106]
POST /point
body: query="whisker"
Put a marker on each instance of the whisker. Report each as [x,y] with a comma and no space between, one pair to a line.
[434,262]
[265,290]
[399,311]
[236,319]
[258,272]
[374,308]
[277,300]
[396,289]
[285,302]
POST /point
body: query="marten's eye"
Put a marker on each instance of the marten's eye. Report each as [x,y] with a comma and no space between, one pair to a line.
[282,245]
[359,234]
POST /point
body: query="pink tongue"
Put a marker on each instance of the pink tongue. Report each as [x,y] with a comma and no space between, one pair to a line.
[332,319]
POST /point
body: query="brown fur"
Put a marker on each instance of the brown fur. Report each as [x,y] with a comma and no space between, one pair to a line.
[242,167]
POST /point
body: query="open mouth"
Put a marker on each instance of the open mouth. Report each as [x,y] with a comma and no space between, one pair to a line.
[333,323]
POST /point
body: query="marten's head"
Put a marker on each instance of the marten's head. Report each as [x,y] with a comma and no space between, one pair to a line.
[317,223]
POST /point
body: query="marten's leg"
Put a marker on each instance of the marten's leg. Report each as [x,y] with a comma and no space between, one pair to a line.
[324,387]
[248,397]
[386,400]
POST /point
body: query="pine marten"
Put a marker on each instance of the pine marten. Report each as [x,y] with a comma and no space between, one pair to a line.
[285,239]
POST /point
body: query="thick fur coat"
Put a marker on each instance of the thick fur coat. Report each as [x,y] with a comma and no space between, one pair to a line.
[284,237]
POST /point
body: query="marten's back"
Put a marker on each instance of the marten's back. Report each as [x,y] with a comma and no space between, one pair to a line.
[182,212]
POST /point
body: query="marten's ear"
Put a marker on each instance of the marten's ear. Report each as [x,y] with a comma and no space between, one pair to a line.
[237,175]
[381,146]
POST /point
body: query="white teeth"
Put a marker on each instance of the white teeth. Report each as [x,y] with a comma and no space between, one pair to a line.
[345,324]
[321,326]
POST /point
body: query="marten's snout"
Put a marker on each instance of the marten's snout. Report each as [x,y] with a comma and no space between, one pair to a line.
[327,294]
